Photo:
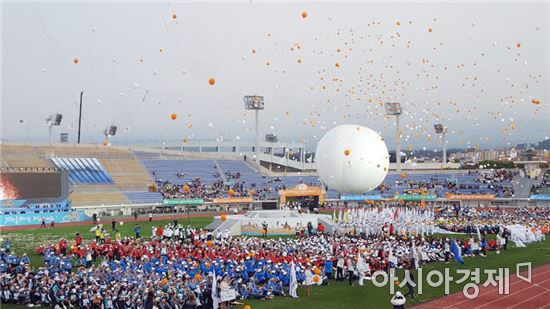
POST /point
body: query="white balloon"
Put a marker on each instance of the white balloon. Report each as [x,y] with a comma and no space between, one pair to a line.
[362,169]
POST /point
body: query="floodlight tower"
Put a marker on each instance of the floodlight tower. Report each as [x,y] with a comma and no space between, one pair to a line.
[394,109]
[109,131]
[51,121]
[440,129]
[255,103]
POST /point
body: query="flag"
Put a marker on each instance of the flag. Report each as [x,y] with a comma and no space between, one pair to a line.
[457,252]
[360,267]
[215,298]
[415,255]
[293,284]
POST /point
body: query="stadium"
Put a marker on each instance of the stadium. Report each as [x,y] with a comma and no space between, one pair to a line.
[336,165]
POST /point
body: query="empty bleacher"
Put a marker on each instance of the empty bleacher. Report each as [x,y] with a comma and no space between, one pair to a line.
[98,198]
[93,170]
[22,157]
[166,170]
[144,197]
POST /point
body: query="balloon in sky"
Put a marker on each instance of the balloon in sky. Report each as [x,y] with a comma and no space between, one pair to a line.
[75,60]
[212,81]
[352,159]
[173,116]
[304,14]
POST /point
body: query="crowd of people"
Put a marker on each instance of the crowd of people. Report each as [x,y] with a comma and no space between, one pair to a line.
[184,267]
[544,186]
[197,188]
[497,182]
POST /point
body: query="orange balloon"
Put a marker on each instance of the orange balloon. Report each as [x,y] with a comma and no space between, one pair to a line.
[186,188]
[337,65]
[304,14]
[518,45]
[198,277]
[317,271]
[209,244]
[247,307]
[535,101]
[398,23]
[346,152]
[223,217]
[211,81]
[164,281]
[75,60]
[429,29]
[231,192]
[174,16]
[173,116]
[316,279]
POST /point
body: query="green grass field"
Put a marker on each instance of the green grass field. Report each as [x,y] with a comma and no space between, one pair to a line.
[335,295]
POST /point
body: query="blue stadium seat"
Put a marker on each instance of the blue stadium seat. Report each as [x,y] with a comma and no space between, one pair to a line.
[83,170]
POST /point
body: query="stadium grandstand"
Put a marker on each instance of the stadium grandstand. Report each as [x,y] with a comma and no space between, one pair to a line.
[100,175]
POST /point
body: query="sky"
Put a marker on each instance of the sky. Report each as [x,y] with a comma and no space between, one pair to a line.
[481,69]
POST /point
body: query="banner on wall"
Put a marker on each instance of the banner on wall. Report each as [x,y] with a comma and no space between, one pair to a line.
[36,218]
[233,200]
[361,198]
[192,201]
[471,197]
[540,197]
[415,197]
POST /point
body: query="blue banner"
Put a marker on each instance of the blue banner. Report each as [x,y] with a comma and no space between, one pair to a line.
[361,197]
[540,197]
[36,218]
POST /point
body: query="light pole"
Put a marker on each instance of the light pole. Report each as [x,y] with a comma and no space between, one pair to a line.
[394,109]
[255,103]
[440,129]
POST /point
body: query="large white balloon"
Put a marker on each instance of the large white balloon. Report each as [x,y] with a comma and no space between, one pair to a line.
[352,159]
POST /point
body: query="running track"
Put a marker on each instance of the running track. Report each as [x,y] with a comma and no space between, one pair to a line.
[523,295]
[129,219]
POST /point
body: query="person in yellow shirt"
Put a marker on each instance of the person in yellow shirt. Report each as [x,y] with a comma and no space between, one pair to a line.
[97,234]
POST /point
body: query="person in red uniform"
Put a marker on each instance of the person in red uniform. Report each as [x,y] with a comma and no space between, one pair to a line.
[78,239]
[320,228]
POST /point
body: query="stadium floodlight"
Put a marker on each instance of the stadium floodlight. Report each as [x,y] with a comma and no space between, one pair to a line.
[271,138]
[255,103]
[108,132]
[51,121]
[440,129]
[394,109]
